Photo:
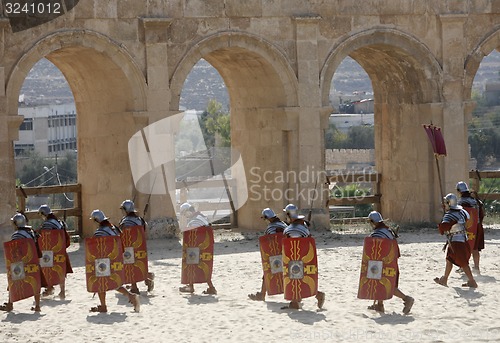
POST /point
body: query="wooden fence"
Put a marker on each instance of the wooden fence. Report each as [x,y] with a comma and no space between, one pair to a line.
[477,176]
[336,204]
[75,211]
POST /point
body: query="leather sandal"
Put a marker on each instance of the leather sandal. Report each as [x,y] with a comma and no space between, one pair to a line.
[48,291]
[471,284]
[440,281]
[7,307]
[186,289]
[135,301]
[150,283]
[321,299]
[259,296]
[99,308]
[377,307]
[210,290]
[408,303]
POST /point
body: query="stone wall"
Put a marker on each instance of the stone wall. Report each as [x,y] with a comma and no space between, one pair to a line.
[349,159]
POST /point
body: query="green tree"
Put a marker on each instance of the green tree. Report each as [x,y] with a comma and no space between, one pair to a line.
[34,170]
[360,137]
[484,136]
[67,168]
[334,138]
[481,105]
[215,122]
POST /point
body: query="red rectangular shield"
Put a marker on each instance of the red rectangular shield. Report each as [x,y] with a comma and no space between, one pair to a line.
[272,262]
[135,253]
[471,226]
[300,268]
[379,269]
[23,270]
[103,263]
[197,255]
[52,244]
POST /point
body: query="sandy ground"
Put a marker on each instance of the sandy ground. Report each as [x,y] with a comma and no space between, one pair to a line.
[440,314]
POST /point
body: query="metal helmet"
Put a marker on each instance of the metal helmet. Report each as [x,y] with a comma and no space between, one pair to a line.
[451,202]
[185,208]
[462,187]
[128,206]
[19,220]
[291,211]
[375,217]
[98,216]
[267,213]
[44,210]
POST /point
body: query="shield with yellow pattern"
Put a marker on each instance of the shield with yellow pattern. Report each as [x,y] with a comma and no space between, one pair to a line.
[471,225]
[52,244]
[300,268]
[272,262]
[379,269]
[135,253]
[103,263]
[23,269]
[197,255]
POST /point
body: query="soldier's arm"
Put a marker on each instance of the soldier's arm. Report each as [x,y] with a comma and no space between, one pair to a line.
[445,227]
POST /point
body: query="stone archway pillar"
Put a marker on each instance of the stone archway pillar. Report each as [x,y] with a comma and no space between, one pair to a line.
[312,120]
[455,111]
[409,182]
[158,104]
[9,132]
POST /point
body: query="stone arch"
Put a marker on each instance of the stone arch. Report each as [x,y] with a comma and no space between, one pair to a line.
[490,42]
[244,61]
[393,60]
[406,80]
[64,49]
[108,88]
[263,91]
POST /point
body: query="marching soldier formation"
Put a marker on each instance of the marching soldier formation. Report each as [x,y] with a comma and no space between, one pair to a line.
[116,256]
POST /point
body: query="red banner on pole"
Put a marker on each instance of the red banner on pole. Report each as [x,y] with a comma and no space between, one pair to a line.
[436,138]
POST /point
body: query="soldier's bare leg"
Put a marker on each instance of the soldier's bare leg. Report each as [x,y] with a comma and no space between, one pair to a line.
[407,300]
[150,281]
[211,289]
[471,283]
[475,257]
[377,306]
[62,293]
[134,289]
[132,298]
[102,307]
[443,280]
[261,296]
[320,296]
[36,308]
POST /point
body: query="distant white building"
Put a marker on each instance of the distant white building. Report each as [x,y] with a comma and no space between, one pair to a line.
[343,122]
[492,93]
[48,129]
[363,106]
